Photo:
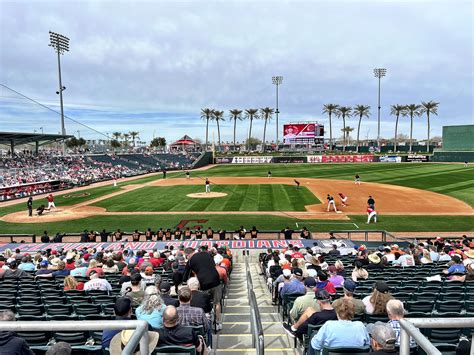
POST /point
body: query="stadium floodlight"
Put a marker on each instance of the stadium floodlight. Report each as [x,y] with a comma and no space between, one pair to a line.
[277,80]
[60,44]
[379,73]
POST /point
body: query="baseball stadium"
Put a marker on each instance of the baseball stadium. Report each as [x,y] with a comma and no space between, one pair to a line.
[296,226]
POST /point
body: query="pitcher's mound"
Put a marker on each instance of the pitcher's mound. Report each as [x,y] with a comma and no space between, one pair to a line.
[207,194]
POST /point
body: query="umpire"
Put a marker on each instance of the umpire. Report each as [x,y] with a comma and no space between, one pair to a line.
[30,206]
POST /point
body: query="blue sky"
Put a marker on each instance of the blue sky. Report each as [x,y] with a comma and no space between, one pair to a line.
[150,66]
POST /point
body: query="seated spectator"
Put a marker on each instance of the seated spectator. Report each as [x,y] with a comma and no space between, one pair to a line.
[10,343]
[165,289]
[375,262]
[27,264]
[457,266]
[148,276]
[324,284]
[110,267]
[198,298]
[95,266]
[70,283]
[174,333]
[426,258]
[96,283]
[120,341]
[403,260]
[14,273]
[60,348]
[294,285]
[151,308]
[80,270]
[395,312]
[340,268]
[188,315]
[334,251]
[43,270]
[123,311]
[61,271]
[135,291]
[382,339]
[128,284]
[359,272]
[334,333]
[304,302]
[310,316]
[376,302]
[334,278]
[349,288]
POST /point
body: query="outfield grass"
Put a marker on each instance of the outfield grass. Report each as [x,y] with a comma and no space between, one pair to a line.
[450,179]
[232,222]
[271,197]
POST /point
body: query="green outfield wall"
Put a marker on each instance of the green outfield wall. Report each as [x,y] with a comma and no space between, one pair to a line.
[458,138]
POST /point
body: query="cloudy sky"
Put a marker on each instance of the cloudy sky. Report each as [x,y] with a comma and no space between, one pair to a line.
[150,66]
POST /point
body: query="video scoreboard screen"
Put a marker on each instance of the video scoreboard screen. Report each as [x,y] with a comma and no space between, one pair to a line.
[303,133]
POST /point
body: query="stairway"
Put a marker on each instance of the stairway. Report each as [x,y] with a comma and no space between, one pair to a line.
[235,336]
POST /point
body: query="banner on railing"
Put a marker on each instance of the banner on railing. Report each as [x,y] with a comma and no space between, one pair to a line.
[415,158]
[366,158]
[251,160]
[390,159]
[233,244]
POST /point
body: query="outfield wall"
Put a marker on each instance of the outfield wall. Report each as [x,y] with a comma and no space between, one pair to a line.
[458,138]
[460,157]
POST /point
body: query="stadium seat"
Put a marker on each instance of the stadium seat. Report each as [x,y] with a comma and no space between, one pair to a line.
[449,336]
[30,310]
[419,306]
[448,306]
[86,308]
[174,349]
[372,318]
[53,309]
[339,351]
[35,338]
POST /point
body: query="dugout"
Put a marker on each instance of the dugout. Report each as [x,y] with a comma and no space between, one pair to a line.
[458,144]
[13,139]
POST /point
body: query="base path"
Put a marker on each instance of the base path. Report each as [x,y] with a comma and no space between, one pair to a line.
[389,200]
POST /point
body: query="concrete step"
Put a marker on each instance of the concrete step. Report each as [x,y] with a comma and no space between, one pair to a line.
[246,309]
[239,317]
[232,341]
[244,328]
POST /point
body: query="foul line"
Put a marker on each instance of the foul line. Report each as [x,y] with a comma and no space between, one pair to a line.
[297,225]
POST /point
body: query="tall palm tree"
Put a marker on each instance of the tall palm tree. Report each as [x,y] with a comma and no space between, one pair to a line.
[429,107]
[412,110]
[218,116]
[125,137]
[397,110]
[134,136]
[117,135]
[344,111]
[251,114]
[330,109]
[206,114]
[361,111]
[266,114]
[235,115]
[346,131]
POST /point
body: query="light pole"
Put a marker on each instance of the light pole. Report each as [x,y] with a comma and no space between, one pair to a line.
[41,128]
[78,134]
[379,73]
[60,44]
[277,80]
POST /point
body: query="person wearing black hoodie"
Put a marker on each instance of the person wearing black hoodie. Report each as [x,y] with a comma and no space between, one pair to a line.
[10,343]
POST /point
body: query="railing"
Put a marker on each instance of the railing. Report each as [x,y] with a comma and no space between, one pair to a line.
[408,327]
[351,232]
[255,319]
[140,335]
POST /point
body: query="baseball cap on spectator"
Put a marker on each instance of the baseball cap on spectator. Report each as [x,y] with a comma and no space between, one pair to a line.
[54,252]
[381,286]
[44,263]
[322,276]
[149,269]
[86,256]
[171,258]
[383,334]
[310,282]
[286,273]
[312,272]
[298,272]
[456,258]
[349,285]
[165,287]
[332,269]
[322,295]
[92,272]
[12,263]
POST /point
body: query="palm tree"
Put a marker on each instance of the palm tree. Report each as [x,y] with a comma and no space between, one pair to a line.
[344,111]
[428,108]
[330,109]
[346,131]
[134,136]
[397,110]
[361,111]
[412,110]
[251,114]
[117,135]
[218,116]
[125,137]
[206,114]
[235,115]
[266,114]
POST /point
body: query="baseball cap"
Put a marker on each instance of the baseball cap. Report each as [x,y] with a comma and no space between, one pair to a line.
[44,263]
[298,272]
[165,286]
[92,272]
[322,295]
[218,259]
[349,285]
[148,269]
[286,272]
[310,282]
[332,269]
[383,334]
[381,286]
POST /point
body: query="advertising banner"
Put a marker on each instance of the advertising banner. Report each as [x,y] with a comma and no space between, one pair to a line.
[415,158]
[315,159]
[289,160]
[224,160]
[299,133]
[390,159]
[367,158]
[251,160]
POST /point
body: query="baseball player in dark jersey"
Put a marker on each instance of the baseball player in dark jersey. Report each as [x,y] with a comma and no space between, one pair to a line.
[331,202]
[29,204]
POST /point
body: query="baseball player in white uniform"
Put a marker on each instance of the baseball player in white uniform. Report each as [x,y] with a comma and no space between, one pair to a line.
[208,186]
[371,213]
[343,199]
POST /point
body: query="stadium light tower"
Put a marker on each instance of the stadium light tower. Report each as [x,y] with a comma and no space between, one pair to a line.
[277,80]
[379,73]
[60,44]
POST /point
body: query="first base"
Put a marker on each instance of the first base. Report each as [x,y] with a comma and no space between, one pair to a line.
[338,211]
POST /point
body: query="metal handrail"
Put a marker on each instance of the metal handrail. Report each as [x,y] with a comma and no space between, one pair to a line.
[409,327]
[140,335]
[256,327]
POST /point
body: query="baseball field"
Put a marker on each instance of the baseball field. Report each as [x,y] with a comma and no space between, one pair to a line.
[409,198]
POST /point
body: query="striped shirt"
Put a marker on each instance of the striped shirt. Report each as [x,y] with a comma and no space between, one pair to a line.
[192,316]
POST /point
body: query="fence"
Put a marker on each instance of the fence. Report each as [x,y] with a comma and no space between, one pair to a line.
[140,335]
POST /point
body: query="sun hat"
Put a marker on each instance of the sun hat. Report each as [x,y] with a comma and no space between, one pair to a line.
[470,253]
[374,258]
[120,340]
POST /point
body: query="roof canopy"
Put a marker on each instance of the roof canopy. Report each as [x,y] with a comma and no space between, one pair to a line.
[17,138]
[185,140]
